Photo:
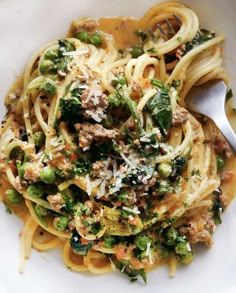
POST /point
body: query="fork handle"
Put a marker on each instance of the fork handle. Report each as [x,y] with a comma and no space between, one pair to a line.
[227,131]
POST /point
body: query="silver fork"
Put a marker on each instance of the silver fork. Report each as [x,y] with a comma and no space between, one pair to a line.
[209,99]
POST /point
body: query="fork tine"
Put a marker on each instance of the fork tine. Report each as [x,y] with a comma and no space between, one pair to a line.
[178,20]
[170,26]
[151,33]
[162,31]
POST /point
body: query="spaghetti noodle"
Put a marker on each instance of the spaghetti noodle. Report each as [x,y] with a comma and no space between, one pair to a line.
[99,154]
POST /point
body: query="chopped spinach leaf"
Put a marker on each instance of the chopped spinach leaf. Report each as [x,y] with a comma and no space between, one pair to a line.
[77,246]
[141,34]
[159,107]
[109,241]
[132,273]
[69,110]
[201,37]
[95,228]
[217,208]
[179,164]
[80,168]
[69,204]
[229,95]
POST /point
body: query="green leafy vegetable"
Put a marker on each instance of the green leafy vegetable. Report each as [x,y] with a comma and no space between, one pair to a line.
[217,208]
[132,273]
[134,112]
[48,87]
[77,246]
[141,34]
[159,107]
[95,228]
[120,98]
[179,164]
[69,203]
[141,242]
[184,252]
[7,208]
[137,51]
[41,212]
[115,100]
[79,168]
[109,241]
[170,236]
[149,148]
[69,110]
[201,37]
[229,94]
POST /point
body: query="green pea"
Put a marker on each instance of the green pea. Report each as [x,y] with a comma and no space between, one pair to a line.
[170,236]
[22,168]
[184,252]
[96,39]
[13,196]
[220,163]
[136,51]
[164,169]
[109,241]
[82,36]
[96,227]
[61,223]
[51,55]
[121,79]
[165,251]
[39,138]
[46,66]
[48,87]
[35,190]
[143,254]
[141,241]
[47,175]
[40,210]
[115,100]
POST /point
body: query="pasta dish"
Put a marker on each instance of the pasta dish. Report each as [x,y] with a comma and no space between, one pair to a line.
[98,153]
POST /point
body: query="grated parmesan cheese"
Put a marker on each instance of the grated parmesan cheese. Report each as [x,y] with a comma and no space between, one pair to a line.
[88,184]
[148,252]
[12,96]
[93,115]
[77,52]
[134,211]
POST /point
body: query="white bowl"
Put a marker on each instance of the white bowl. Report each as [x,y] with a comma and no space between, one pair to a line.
[26,25]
